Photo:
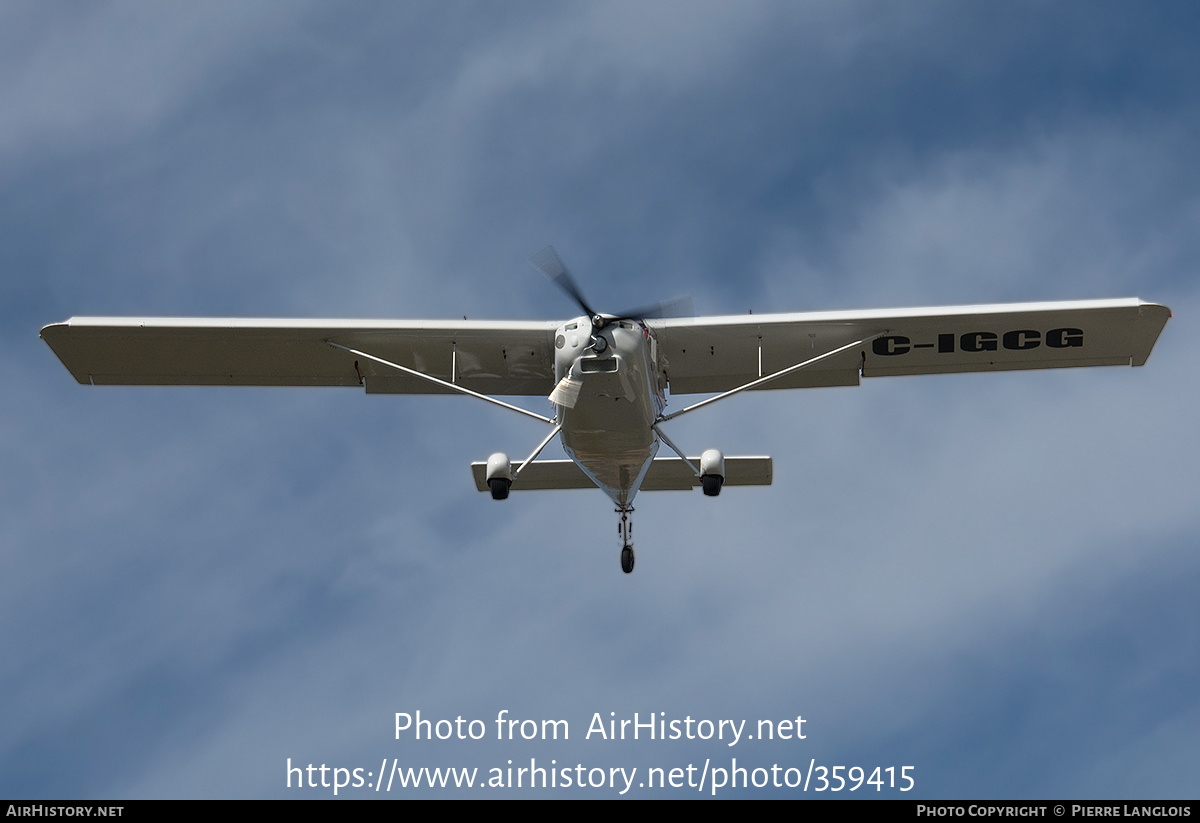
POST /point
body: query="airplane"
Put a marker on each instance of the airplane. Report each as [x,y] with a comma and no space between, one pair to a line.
[608,377]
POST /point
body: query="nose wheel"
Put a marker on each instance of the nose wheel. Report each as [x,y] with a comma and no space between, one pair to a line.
[625,528]
[627,559]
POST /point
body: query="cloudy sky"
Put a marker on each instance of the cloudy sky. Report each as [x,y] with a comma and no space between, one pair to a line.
[988,578]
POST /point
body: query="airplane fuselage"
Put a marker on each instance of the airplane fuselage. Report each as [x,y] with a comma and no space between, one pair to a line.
[608,429]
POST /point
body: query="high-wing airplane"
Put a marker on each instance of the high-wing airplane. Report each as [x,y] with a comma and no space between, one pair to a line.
[608,376]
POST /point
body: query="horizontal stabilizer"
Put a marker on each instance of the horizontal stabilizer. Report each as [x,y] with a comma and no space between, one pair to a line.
[665,474]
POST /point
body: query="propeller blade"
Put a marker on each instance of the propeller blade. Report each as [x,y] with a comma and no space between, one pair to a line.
[676,307]
[550,264]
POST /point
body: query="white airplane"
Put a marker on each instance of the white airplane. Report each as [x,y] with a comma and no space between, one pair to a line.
[608,376]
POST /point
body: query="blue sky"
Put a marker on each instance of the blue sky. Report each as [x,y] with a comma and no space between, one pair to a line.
[990,578]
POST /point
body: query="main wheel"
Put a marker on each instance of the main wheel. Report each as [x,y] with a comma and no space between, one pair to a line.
[499,487]
[627,559]
[712,484]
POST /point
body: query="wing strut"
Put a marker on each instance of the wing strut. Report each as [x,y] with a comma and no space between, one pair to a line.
[753,384]
[537,451]
[442,383]
[675,449]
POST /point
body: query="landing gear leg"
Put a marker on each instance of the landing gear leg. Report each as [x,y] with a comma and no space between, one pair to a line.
[626,530]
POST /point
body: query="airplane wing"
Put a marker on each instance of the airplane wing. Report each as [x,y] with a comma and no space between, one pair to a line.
[709,354]
[716,354]
[490,357]
[664,474]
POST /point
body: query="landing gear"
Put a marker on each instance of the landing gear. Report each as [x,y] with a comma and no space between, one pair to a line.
[499,475]
[712,472]
[625,529]
[627,559]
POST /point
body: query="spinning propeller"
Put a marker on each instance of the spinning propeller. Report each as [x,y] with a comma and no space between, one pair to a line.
[550,264]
